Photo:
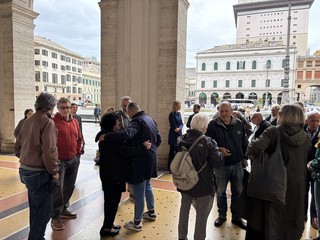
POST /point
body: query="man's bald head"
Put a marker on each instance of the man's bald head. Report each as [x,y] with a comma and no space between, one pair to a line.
[257,118]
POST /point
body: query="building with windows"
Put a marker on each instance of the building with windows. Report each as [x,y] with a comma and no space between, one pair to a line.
[57,70]
[91,81]
[266,20]
[248,70]
[190,86]
[307,83]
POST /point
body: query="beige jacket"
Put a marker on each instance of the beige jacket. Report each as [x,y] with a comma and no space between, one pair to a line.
[36,144]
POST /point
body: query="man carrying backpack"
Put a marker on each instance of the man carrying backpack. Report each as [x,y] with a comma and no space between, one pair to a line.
[205,156]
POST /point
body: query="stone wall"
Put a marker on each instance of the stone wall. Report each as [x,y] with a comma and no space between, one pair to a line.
[17,90]
[143,52]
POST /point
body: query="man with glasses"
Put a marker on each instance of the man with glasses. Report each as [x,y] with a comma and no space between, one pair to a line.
[69,145]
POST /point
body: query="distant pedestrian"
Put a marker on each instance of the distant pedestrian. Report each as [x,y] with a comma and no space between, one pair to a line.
[272,118]
[96,113]
[74,110]
[196,109]
[27,113]
[175,131]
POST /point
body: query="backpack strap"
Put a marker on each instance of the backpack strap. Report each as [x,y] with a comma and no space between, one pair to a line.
[192,146]
[195,142]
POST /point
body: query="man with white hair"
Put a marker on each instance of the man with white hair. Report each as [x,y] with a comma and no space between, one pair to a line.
[232,140]
[312,129]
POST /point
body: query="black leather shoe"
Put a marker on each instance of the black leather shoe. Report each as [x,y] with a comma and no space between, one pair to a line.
[240,223]
[104,232]
[219,221]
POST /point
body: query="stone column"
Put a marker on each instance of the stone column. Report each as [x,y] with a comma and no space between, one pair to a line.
[17,88]
[143,55]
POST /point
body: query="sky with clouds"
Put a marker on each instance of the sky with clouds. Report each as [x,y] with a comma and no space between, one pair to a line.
[75,24]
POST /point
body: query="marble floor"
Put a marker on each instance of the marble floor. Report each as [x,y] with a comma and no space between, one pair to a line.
[87,202]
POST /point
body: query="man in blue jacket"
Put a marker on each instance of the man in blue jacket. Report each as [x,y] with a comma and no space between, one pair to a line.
[144,166]
[230,135]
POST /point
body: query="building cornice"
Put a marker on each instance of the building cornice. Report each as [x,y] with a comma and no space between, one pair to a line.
[41,41]
[244,7]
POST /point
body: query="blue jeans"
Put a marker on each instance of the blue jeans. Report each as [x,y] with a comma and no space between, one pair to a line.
[40,200]
[142,190]
[224,175]
[203,207]
[67,178]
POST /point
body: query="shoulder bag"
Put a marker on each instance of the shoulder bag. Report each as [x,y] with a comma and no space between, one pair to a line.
[268,177]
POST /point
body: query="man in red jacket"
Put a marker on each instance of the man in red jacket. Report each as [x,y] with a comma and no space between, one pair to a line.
[69,145]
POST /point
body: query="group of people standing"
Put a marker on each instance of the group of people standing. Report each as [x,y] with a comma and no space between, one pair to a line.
[49,150]
[128,143]
[227,135]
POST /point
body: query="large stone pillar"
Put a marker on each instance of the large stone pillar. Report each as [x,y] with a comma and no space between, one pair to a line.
[17,88]
[143,54]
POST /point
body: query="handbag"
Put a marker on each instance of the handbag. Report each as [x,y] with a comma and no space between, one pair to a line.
[268,177]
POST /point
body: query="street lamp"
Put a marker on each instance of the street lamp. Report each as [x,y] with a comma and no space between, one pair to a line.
[268,66]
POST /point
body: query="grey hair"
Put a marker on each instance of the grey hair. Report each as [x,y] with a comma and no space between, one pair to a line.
[200,122]
[126,98]
[312,113]
[133,107]
[45,101]
[63,100]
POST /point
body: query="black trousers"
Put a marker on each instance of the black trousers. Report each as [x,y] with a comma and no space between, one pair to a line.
[252,234]
[112,196]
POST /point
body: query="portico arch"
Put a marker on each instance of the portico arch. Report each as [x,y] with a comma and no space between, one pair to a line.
[143,55]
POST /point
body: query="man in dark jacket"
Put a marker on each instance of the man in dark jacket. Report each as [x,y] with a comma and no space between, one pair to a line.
[114,168]
[312,129]
[196,109]
[144,166]
[230,135]
[261,125]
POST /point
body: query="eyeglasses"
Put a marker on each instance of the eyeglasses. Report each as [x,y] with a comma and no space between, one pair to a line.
[64,108]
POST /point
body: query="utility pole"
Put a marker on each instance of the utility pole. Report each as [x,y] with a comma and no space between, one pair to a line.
[266,100]
[285,93]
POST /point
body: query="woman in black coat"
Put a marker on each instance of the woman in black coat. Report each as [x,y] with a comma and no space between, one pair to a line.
[114,168]
[175,131]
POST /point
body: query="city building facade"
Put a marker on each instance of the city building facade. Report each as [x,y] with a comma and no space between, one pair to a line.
[91,92]
[190,86]
[267,20]
[245,71]
[307,83]
[57,70]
